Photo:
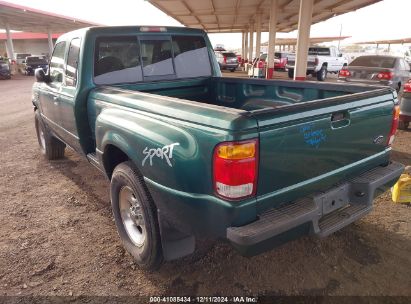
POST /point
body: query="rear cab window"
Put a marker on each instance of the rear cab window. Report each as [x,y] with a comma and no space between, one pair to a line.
[130,59]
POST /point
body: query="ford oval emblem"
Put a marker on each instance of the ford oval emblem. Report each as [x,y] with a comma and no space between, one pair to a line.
[378,140]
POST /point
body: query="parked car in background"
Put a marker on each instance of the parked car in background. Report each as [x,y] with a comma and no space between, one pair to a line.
[5,72]
[320,62]
[20,57]
[391,71]
[31,63]
[227,60]
[280,60]
[405,106]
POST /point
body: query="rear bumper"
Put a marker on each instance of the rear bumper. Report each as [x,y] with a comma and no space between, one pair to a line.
[320,214]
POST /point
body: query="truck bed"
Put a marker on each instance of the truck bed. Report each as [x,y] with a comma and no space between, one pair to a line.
[312,135]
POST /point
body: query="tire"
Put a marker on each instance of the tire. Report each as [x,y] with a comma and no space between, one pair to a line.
[322,73]
[51,147]
[402,125]
[232,70]
[291,73]
[135,216]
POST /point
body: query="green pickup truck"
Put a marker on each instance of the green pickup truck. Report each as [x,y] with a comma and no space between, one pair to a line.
[191,154]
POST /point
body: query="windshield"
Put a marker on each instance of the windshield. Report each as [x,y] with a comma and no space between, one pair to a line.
[374,62]
[36,60]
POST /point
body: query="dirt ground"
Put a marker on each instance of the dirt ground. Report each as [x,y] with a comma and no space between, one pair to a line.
[57,235]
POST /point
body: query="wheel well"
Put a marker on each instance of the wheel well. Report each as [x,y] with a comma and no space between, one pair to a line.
[112,157]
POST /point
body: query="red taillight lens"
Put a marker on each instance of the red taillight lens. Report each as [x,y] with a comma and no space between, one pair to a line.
[344,73]
[394,124]
[225,59]
[261,64]
[316,61]
[407,87]
[385,75]
[235,166]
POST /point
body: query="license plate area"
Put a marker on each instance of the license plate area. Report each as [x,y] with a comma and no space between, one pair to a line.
[334,199]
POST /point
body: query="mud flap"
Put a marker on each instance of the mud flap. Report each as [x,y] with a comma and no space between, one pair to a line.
[175,244]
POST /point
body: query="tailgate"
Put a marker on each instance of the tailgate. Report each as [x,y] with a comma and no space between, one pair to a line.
[311,146]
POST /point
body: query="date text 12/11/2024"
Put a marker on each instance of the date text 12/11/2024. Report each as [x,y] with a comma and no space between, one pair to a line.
[201,299]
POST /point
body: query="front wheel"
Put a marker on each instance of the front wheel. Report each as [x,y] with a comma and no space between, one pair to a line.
[50,147]
[322,73]
[135,216]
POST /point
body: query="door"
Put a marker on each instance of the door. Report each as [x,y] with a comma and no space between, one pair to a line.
[67,97]
[49,97]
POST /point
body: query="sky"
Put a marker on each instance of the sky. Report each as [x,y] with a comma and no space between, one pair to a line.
[388,19]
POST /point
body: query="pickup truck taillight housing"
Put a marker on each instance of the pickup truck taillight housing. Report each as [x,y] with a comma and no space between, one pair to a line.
[235,169]
[394,124]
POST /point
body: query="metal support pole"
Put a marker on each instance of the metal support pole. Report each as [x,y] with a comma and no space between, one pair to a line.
[242,46]
[258,38]
[50,41]
[246,45]
[271,38]
[9,43]
[303,38]
[251,45]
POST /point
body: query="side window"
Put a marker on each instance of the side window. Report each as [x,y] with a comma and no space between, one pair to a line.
[117,60]
[405,65]
[72,62]
[191,56]
[157,57]
[57,63]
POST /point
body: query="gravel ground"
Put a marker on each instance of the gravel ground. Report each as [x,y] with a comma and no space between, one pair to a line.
[57,235]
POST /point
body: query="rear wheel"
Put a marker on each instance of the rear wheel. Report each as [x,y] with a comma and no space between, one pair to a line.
[290,73]
[232,70]
[50,147]
[402,125]
[135,216]
[322,73]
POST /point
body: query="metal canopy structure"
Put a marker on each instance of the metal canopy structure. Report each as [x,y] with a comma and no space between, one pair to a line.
[15,17]
[313,40]
[25,19]
[230,16]
[392,41]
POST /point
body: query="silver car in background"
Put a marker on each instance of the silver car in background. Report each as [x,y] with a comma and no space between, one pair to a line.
[377,69]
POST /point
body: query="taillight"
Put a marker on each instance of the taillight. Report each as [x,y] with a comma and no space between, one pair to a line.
[394,124]
[344,73]
[385,75]
[225,59]
[316,61]
[235,168]
[407,87]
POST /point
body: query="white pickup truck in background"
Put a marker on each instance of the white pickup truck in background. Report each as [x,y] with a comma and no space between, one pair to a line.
[321,60]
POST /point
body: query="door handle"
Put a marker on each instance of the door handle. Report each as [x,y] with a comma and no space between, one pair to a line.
[340,120]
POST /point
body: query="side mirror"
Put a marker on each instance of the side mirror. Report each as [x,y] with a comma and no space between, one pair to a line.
[40,75]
